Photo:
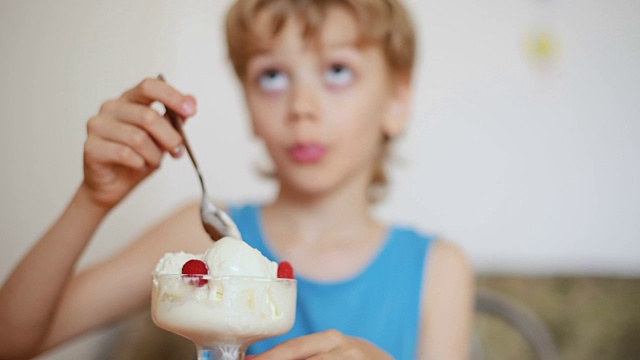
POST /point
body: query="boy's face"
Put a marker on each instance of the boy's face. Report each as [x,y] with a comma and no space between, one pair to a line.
[322,108]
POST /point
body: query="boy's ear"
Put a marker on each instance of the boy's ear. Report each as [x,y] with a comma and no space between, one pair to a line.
[399,108]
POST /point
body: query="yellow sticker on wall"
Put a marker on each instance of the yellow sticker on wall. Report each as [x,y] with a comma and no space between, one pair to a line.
[543,46]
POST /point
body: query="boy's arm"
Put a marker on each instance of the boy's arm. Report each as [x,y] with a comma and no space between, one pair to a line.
[121,285]
[94,298]
[125,143]
[29,296]
[448,304]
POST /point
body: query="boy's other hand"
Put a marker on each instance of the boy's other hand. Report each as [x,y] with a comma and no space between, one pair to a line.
[330,344]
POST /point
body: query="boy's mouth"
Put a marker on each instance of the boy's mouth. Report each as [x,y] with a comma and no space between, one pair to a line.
[307,153]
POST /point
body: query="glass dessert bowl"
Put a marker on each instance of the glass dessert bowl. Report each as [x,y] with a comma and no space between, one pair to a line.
[223,315]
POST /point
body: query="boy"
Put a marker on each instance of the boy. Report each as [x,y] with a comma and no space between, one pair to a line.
[328,87]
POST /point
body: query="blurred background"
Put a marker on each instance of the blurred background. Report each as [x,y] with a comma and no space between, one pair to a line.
[523,146]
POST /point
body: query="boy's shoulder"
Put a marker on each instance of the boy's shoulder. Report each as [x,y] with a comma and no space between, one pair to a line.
[407,233]
[438,249]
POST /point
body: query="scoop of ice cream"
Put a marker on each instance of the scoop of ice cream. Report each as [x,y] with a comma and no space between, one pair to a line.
[171,263]
[232,257]
[226,257]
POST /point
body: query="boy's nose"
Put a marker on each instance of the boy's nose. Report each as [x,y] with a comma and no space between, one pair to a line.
[303,101]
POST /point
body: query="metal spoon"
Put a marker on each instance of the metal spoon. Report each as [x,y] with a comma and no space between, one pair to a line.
[216,222]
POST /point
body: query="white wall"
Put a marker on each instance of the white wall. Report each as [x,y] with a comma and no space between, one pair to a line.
[530,168]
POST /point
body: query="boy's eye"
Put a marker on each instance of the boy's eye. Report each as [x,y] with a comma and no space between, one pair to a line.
[273,80]
[339,75]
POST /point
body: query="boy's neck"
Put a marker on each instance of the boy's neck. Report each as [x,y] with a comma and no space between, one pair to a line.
[335,228]
[313,217]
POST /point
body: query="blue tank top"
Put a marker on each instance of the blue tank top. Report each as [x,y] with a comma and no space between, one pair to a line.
[381,304]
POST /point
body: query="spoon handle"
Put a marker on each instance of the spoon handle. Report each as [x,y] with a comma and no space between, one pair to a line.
[176,122]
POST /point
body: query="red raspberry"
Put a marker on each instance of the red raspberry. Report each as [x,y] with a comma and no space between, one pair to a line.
[195,269]
[285,270]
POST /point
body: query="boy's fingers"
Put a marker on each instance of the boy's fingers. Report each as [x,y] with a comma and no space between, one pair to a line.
[150,90]
[302,347]
[137,139]
[105,152]
[148,120]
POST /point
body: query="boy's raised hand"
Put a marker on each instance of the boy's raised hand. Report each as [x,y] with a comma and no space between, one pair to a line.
[127,139]
[330,344]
